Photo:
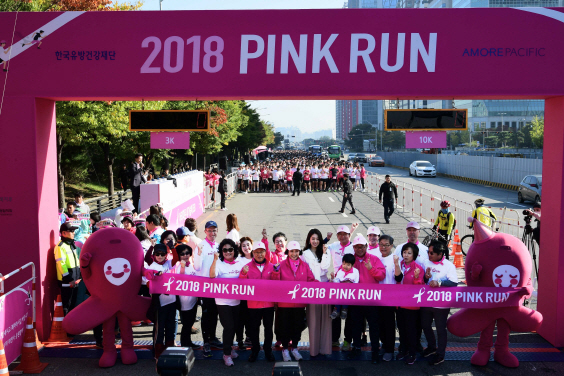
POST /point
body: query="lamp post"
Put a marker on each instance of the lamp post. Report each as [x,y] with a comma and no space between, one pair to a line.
[160,4]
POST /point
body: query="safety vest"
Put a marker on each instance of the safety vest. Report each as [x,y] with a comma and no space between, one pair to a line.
[445,221]
[66,260]
[484,215]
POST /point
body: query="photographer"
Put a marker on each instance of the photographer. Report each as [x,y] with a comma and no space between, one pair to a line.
[529,214]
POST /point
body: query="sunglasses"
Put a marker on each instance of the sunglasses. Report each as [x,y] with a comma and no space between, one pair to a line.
[227,250]
[183,254]
[159,254]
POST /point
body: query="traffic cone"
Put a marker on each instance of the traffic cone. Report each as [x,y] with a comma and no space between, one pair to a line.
[455,242]
[57,332]
[458,259]
[3,361]
[30,357]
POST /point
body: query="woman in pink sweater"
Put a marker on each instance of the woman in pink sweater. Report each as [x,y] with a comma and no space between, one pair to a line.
[260,268]
[408,272]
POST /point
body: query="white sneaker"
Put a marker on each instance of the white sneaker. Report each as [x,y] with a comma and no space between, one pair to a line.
[228,361]
[296,354]
[286,355]
[224,209]
[246,192]
[234,354]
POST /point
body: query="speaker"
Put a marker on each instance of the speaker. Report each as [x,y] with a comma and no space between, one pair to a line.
[175,361]
[223,163]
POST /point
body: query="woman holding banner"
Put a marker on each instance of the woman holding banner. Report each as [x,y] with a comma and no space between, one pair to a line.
[318,320]
[229,266]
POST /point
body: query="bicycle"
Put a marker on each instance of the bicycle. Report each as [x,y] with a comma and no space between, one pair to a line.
[434,236]
[469,237]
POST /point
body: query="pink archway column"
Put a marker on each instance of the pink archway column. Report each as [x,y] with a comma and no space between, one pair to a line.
[551,267]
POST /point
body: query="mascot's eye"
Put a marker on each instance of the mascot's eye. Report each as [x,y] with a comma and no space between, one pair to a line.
[499,276]
[125,266]
[109,268]
[512,276]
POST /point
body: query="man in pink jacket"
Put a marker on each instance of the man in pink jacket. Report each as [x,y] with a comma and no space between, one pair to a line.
[370,270]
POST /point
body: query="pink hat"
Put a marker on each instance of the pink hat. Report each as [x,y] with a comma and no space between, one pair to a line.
[259,245]
[343,228]
[413,224]
[293,245]
[359,240]
[373,230]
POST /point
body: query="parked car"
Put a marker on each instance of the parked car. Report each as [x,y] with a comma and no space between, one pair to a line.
[377,161]
[422,168]
[360,157]
[351,157]
[530,189]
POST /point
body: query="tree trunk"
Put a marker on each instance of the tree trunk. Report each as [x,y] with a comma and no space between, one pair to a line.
[60,176]
[109,162]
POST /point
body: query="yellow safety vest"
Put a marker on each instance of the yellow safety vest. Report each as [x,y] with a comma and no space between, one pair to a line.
[65,258]
[483,215]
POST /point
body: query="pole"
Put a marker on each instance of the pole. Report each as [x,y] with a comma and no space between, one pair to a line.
[160,4]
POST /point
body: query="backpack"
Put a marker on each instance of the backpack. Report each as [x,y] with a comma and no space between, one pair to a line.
[454,223]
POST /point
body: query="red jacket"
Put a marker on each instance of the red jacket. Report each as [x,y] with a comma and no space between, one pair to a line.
[303,273]
[409,277]
[374,275]
[255,273]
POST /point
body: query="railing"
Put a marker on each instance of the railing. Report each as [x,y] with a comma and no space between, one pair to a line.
[3,278]
[105,203]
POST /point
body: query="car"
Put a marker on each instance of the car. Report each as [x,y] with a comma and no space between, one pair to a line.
[422,168]
[377,161]
[351,157]
[360,157]
[530,189]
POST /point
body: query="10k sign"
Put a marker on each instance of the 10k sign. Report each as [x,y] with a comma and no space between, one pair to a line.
[170,140]
[425,140]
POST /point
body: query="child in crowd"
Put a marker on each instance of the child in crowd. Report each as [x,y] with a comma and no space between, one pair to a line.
[345,274]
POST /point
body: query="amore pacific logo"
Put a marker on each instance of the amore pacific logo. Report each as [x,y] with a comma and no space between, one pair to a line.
[504,52]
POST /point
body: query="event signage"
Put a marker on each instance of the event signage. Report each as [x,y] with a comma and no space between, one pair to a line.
[337,293]
[15,308]
[170,140]
[425,140]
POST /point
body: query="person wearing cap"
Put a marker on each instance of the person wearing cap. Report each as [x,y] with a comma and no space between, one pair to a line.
[412,230]
[482,214]
[389,191]
[209,308]
[127,222]
[126,205]
[68,268]
[291,316]
[387,315]
[445,222]
[260,268]
[373,235]
[370,270]
[347,194]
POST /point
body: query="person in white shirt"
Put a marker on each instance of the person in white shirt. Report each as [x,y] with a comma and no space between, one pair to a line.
[412,229]
[229,266]
[275,178]
[246,175]
[188,304]
[233,228]
[314,178]
[240,178]
[256,178]
[373,235]
[439,272]
[209,308]
[345,274]
[387,315]
[318,258]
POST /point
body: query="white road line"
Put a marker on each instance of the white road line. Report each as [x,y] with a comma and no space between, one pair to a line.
[507,202]
[344,215]
[331,199]
[445,186]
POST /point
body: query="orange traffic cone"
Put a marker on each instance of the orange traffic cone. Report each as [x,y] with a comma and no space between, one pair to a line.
[30,357]
[455,242]
[57,332]
[458,259]
[3,361]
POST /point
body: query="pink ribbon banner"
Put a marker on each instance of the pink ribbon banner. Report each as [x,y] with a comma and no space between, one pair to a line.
[337,293]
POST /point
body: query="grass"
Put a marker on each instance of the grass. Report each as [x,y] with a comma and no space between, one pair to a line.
[88,189]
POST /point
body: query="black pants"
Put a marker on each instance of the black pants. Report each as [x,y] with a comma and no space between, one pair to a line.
[266,316]
[387,324]
[336,329]
[407,327]
[444,239]
[229,317]
[362,182]
[358,314]
[209,319]
[348,198]
[297,187]
[388,208]
[440,315]
[222,199]
[188,318]
[135,194]
[291,325]
[166,322]
[68,297]
[243,321]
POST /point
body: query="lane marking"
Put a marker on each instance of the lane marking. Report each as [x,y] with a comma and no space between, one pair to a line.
[344,215]
[507,202]
[331,199]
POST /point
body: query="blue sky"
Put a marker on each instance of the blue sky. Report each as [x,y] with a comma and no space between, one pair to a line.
[313,115]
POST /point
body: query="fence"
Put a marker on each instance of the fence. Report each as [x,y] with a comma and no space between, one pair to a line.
[106,203]
[211,195]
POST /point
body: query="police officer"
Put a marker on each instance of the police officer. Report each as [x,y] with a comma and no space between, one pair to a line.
[347,194]
[68,267]
[388,190]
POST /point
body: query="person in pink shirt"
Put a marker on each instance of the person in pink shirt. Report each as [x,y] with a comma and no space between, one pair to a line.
[279,254]
[289,175]
[307,178]
[260,268]
[291,316]
[362,176]
[370,270]
[408,272]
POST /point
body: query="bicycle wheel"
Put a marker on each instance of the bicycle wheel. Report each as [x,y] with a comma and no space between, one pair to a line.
[427,240]
[470,239]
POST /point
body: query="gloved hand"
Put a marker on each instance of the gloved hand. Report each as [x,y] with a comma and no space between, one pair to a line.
[435,228]
[67,279]
[150,274]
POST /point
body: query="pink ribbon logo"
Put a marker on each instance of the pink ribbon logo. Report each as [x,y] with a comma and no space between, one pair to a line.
[167,285]
[293,292]
[418,296]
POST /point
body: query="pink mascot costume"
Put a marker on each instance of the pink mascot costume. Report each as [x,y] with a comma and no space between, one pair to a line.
[496,260]
[111,263]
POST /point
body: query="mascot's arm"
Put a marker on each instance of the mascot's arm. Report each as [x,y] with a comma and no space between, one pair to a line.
[476,270]
[85,265]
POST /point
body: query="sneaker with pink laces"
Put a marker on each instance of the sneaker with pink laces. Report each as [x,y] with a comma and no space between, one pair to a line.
[228,361]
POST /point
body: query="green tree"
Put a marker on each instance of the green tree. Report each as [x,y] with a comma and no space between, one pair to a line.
[492,141]
[278,139]
[358,134]
[537,131]
[503,137]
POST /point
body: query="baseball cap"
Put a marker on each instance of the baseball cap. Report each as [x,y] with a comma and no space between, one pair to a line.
[293,245]
[413,224]
[183,231]
[259,245]
[139,222]
[211,224]
[126,213]
[127,218]
[373,230]
[67,226]
[359,240]
[343,228]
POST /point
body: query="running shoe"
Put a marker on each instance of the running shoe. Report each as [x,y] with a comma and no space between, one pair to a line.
[207,350]
[286,355]
[428,352]
[228,361]
[355,353]
[334,314]
[136,323]
[296,354]
[410,359]
[344,314]
[388,357]
[234,354]
[401,355]
[336,344]
[215,342]
[437,359]
[346,346]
